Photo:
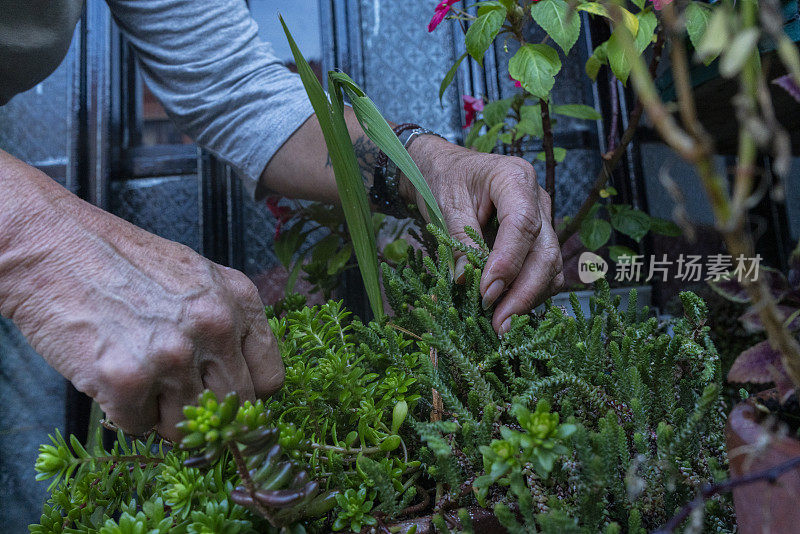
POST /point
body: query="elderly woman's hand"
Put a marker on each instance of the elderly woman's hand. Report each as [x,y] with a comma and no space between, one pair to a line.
[524,267]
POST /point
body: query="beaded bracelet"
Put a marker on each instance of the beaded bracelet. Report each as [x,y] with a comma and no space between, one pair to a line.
[385,190]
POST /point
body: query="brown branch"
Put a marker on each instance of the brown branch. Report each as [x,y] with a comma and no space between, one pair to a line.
[611,142]
[550,160]
[610,160]
[770,475]
[694,147]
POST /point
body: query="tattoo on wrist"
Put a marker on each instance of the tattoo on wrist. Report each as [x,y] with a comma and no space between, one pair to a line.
[367,155]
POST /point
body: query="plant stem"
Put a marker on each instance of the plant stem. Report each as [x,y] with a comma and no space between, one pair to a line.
[550,160]
[694,147]
[244,474]
[770,475]
[611,159]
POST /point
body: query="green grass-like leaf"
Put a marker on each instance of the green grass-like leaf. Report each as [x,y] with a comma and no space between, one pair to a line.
[330,114]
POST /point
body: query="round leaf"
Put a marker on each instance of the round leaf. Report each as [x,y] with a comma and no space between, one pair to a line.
[535,66]
[595,233]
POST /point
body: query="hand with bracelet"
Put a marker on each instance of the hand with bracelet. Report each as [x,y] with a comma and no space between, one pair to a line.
[142,324]
[524,267]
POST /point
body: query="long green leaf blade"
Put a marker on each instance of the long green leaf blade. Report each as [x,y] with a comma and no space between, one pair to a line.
[355,205]
[379,131]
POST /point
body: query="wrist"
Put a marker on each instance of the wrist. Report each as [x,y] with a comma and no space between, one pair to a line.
[428,151]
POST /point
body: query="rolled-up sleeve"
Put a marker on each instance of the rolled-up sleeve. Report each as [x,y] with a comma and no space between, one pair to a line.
[217,80]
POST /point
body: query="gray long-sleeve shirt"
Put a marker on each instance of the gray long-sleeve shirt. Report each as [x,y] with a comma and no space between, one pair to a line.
[203,60]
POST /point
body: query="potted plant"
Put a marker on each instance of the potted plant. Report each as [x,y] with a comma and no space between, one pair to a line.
[755,450]
[760,421]
[426,420]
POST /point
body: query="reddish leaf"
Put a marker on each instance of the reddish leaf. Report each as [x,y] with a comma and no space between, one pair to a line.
[788,83]
[760,364]
[732,290]
[752,323]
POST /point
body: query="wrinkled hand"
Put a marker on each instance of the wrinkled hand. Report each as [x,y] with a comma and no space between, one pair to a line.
[139,323]
[524,267]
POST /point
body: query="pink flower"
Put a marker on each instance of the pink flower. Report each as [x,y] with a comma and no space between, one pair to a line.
[516,82]
[472,106]
[281,213]
[440,13]
[659,4]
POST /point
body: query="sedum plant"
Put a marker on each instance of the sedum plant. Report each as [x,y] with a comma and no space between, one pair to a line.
[565,424]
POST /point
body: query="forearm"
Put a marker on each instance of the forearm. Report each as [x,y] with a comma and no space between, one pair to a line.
[29,211]
[302,168]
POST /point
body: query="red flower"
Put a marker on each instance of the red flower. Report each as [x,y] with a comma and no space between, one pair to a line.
[281,213]
[517,82]
[472,106]
[440,13]
[659,4]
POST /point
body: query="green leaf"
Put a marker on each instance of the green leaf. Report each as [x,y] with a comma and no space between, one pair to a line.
[535,66]
[579,111]
[638,3]
[482,32]
[594,233]
[474,133]
[380,133]
[697,15]
[506,138]
[330,114]
[558,154]
[630,21]
[559,21]
[495,113]
[619,58]
[594,8]
[288,243]
[326,248]
[743,46]
[664,227]
[647,29]
[448,78]
[598,58]
[396,251]
[338,261]
[487,141]
[716,37]
[631,222]
[615,252]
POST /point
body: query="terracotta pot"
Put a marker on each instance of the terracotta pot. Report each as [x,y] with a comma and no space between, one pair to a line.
[762,507]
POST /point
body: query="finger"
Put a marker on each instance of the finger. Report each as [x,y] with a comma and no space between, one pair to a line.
[260,350]
[123,399]
[541,275]
[170,407]
[458,219]
[223,376]
[518,211]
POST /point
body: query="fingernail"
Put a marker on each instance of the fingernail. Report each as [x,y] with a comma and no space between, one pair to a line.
[461,263]
[506,326]
[493,293]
